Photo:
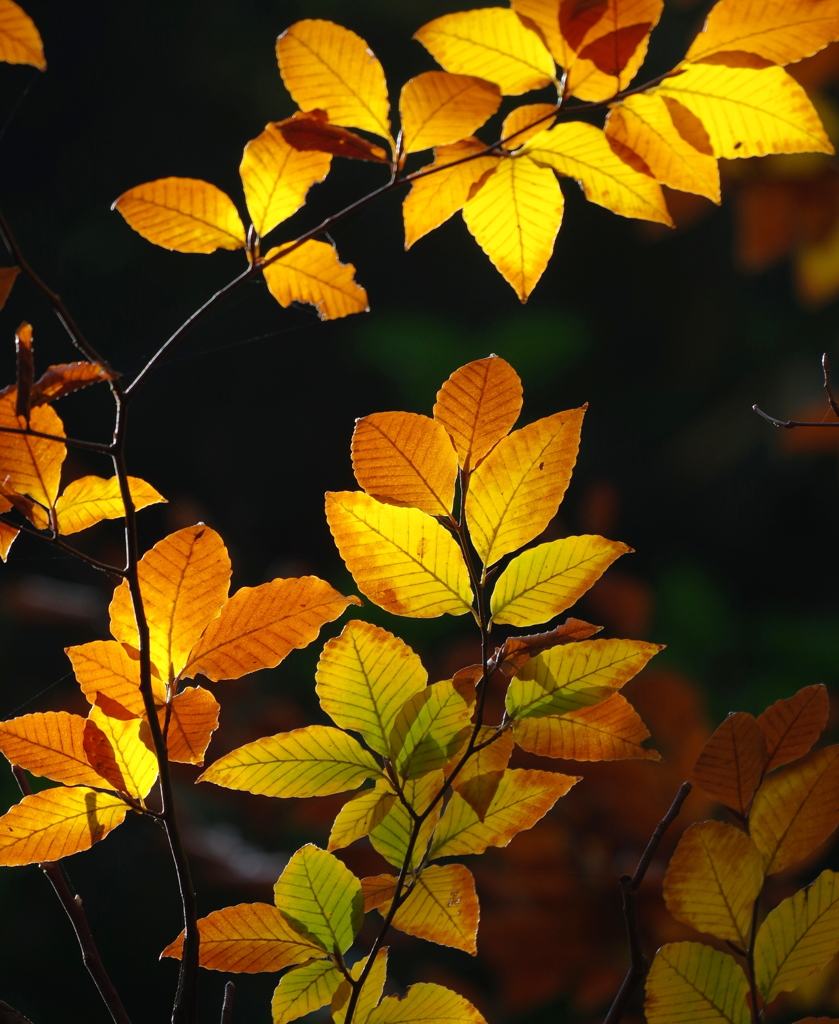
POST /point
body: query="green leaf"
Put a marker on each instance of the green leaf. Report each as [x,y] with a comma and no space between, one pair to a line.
[304,989]
[392,836]
[370,994]
[428,729]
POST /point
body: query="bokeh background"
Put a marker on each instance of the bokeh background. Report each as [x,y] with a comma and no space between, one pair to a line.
[671,336]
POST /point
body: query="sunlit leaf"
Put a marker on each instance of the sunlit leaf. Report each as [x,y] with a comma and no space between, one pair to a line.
[689,981]
[31,465]
[65,378]
[426,1002]
[304,989]
[524,122]
[392,836]
[90,499]
[437,109]
[479,778]
[56,823]
[193,718]
[428,729]
[328,67]
[312,131]
[792,726]
[8,275]
[371,991]
[400,558]
[544,16]
[50,744]
[25,367]
[361,814]
[730,766]
[405,459]
[109,668]
[20,41]
[8,535]
[121,750]
[364,676]
[313,273]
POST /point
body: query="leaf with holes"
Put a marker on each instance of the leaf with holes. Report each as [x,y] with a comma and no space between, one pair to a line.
[312,273]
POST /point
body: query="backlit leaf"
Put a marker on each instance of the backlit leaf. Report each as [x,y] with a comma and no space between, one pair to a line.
[792,726]
[8,535]
[515,216]
[328,67]
[479,778]
[31,465]
[522,798]
[427,730]
[689,981]
[426,1002]
[543,581]
[25,367]
[276,177]
[20,41]
[364,676]
[312,131]
[582,151]
[730,766]
[749,112]
[49,744]
[90,499]
[609,731]
[56,823]
[799,937]
[437,109]
[8,275]
[442,907]
[491,43]
[313,273]
[544,15]
[435,197]
[377,889]
[121,750]
[304,989]
[392,836]
[321,898]
[184,214]
[248,938]
[400,558]
[361,814]
[371,991]
[796,809]
[65,378]
[713,880]
[259,626]
[402,458]
[107,667]
[184,581]
[193,718]
[314,761]
[524,122]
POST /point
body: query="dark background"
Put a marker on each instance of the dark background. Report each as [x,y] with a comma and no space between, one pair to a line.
[249,421]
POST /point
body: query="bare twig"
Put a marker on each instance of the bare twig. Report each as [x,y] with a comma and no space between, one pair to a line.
[55,541]
[789,424]
[71,442]
[227,1005]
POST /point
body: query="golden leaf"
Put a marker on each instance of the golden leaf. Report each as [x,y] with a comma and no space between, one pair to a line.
[360,815]
[50,745]
[20,41]
[442,907]
[543,15]
[259,626]
[312,273]
[65,378]
[31,465]
[491,43]
[276,177]
[749,112]
[370,994]
[121,750]
[248,938]
[689,981]
[435,197]
[437,109]
[524,122]
[304,989]
[426,1003]
[391,837]
[400,558]
[328,67]
[479,778]
[90,499]
[57,823]
[8,534]
[193,718]
[377,889]
[364,676]
[108,667]
[183,214]
[792,726]
[428,729]
[730,766]
[515,216]
[405,459]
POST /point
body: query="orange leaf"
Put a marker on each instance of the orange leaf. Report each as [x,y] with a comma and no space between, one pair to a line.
[442,907]
[730,766]
[20,41]
[259,626]
[63,378]
[516,651]
[8,276]
[25,370]
[7,538]
[50,745]
[90,499]
[478,780]
[376,890]
[312,131]
[193,718]
[405,459]
[31,465]
[313,273]
[437,109]
[792,726]
[524,122]
[57,823]
[121,750]
[112,669]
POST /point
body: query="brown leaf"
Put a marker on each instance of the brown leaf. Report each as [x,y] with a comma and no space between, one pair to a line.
[64,378]
[730,766]
[517,650]
[611,53]
[7,280]
[377,889]
[25,369]
[312,131]
[792,726]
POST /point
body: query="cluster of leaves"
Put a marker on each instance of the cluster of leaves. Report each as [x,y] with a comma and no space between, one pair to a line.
[784,801]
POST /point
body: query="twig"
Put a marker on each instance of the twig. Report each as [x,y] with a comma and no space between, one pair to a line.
[757,1011]
[789,424]
[638,963]
[75,911]
[55,541]
[227,1005]
[71,442]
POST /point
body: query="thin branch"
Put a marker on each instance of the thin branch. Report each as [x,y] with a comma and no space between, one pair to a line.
[71,442]
[227,1005]
[757,1011]
[834,405]
[75,911]
[55,541]
[638,964]
[789,424]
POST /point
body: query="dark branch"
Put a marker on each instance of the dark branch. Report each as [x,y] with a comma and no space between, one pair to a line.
[227,1006]
[789,424]
[55,541]
[71,442]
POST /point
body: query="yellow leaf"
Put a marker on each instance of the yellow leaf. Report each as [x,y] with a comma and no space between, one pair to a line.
[328,67]
[575,676]
[360,815]
[321,898]
[435,197]
[121,750]
[108,667]
[670,141]
[400,558]
[478,780]
[364,676]
[780,31]
[50,745]
[405,459]
[184,214]
[314,761]
[792,726]
[193,718]
[370,994]
[276,177]
[689,981]
[313,273]
[515,216]
[543,581]
[184,581]
[749,112]
[478,405]
[442,907]
[304,989]
[796,809]
[524,122]
[248,938]
[798,938]
[259,626]
[8,276]
[730,766]
[522,798]
[56,823]
[491,43]
[377,889]
[609,731]
[8,534]
[582,151]
[90,499]
[516,490]
[713,880]
[544,15]
[428,729]
[426,1003]
[391,837]
[31,465]
[437,109]
[20,41]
